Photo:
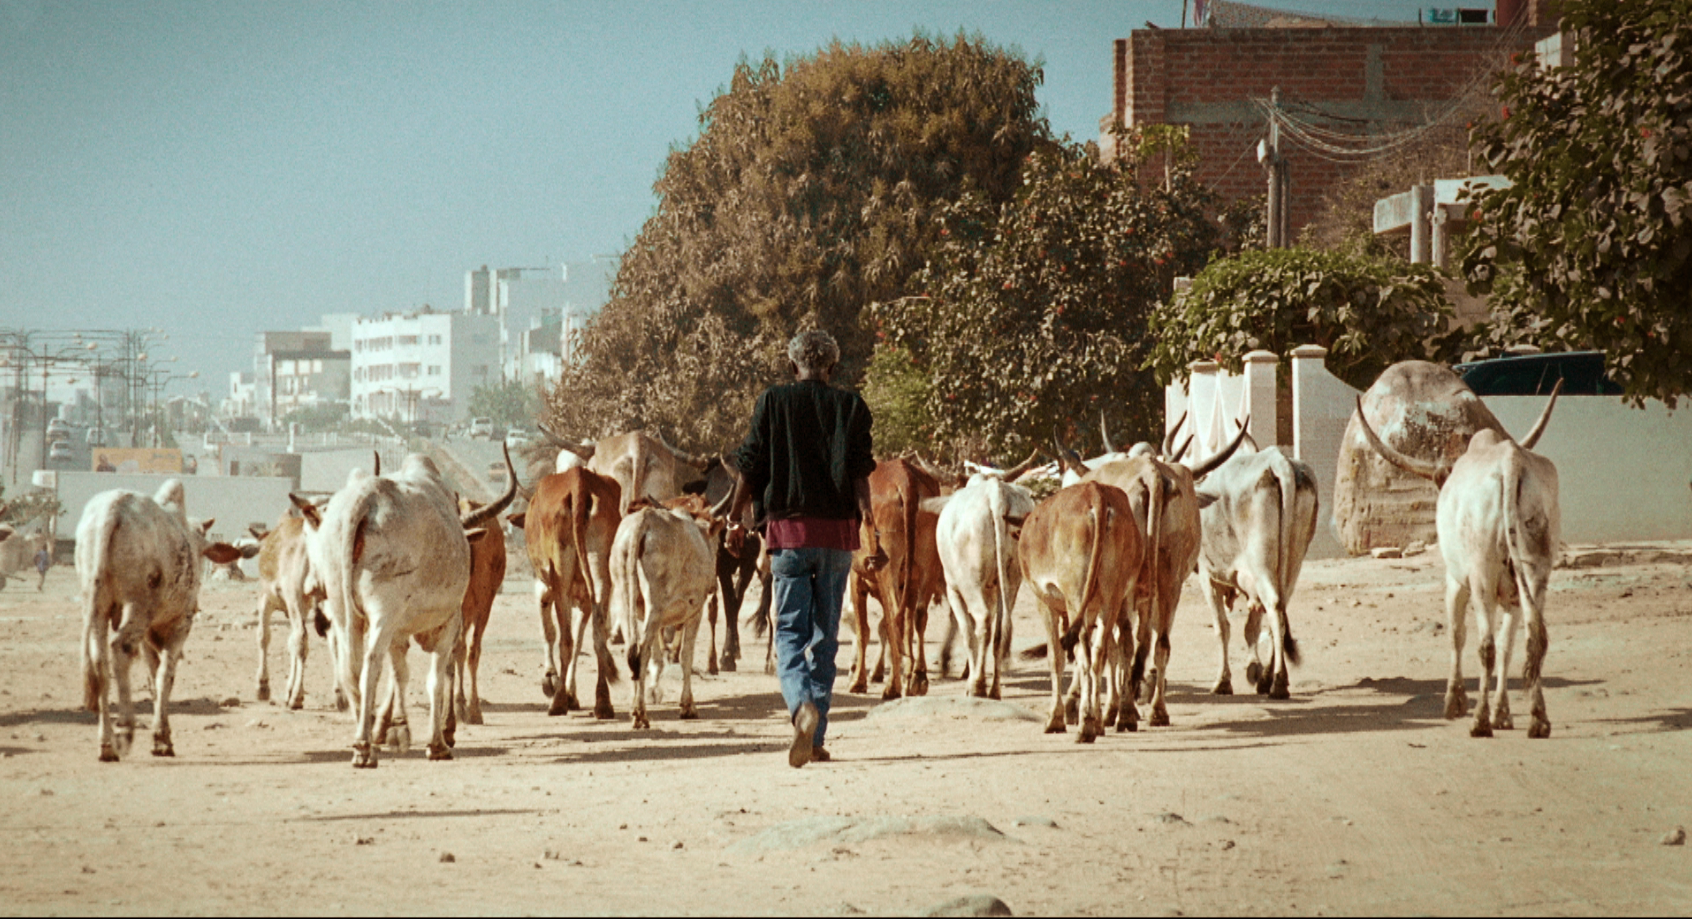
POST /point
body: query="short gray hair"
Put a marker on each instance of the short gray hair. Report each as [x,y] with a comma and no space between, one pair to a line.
[813,350]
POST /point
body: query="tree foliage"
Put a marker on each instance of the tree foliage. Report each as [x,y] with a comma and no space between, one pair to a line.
[812,190]
[1368,311]
[1591,246]
[508,403]
[328,416]
[1033,313]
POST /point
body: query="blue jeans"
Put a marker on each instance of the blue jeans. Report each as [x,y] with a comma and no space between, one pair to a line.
[808,590]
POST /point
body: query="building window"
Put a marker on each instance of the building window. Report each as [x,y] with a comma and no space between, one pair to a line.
[434,339]
[434,370]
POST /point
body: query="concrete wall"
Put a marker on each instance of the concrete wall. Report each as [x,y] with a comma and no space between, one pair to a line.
[233,501]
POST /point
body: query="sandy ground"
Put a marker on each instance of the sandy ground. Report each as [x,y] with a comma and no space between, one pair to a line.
[1355,796]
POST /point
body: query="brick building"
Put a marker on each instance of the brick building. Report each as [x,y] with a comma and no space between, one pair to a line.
[1335,80]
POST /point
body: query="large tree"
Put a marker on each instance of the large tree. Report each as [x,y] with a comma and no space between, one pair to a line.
[1033,314]
[811,191]
[1591,246]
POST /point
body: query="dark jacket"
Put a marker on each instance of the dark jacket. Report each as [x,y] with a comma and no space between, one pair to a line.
[808,443]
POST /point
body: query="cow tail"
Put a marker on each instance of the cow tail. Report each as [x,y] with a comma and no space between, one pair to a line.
[1286,479]
[351,658]
[1101,517]
[93,650]
[623,600]
[1513,532]
[1001,536]
[1156,503]
[580,511]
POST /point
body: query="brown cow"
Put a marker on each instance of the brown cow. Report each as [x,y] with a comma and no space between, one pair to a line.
[487,575]
[570,524]
[1081,552]
[643,465]
[911,580]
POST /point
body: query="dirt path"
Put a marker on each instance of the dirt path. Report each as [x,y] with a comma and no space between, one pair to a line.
[1353,797]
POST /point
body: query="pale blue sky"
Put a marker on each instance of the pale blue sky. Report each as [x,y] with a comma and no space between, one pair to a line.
[222,168]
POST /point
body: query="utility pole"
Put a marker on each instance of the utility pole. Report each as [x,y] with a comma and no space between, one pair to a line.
[1277,226]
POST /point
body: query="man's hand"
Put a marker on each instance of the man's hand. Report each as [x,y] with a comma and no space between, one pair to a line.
[734,538]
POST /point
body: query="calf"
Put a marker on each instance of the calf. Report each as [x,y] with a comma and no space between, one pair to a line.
[1258,516]
[1081,554]
[487,575]
[1499,528]
[661,574]
[138,562]
[287,586]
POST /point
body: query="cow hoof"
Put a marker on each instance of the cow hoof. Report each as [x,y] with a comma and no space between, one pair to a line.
[549,684]
[1254,673]
[108,754]
[263,694]
[297,704]
[438,753]
[1503,723]
[163,748]
[474,716]
[559,706]
[605,713]
[1123,725]
[1223,687]
[340,701]
[1280,691]
[639,722]
[1055,726]
[727,664]
[1072,712]
[1089,731]
[1480,730]
[1159,719]
[689,714]
[1539,730]
[919,684]
[364,756]
[860,687]
[890,693]
[399,740]
[1456,704]
[711,668]
[124,740]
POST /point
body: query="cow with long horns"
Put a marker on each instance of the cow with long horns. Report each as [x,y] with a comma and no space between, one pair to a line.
[1499,528]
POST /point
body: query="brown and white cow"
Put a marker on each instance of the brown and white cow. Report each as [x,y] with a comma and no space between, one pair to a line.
[1258,516]
[138,561]
[487,575]
[905,587]
[393,557]
[1499,526]
[643,465]
[1081,552]
[286,586]
[569,525]
[662,572]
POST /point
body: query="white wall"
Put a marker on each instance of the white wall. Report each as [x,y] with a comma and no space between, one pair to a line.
[234,501]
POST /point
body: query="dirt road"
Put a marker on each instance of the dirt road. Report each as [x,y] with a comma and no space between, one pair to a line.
[1355,796]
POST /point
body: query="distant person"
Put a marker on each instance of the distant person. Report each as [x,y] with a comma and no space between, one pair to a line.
[105,465]
[805,466]
[43,561]
[190,465]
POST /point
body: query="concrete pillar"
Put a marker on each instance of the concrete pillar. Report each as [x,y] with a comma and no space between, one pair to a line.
[1322,406]
[1260,367]
[1421,224]
[1201,406]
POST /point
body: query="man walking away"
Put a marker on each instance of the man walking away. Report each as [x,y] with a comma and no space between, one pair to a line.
[43,561]
[805,466]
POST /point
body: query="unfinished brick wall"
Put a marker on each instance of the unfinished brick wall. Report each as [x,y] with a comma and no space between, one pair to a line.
[1393,78]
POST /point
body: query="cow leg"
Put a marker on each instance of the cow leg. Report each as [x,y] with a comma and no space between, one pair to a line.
[858,614]
[262,694]
[544,598]
[125,641]
[97,668]
[690,634]
[1256,674]
[1274,608]
[1486,624]
[443,721]
[399,737]
[1127,716]
[473,663]
[369,683]
[1457,621]
[606,672]
[563,690]
[1089,662]
[1501,720]
[1055,722]
[164,683]
[893,627]
[1160,680]
[642,648]
[297,651]
[1219,597]
[918,636]
[732,603]
[710,649]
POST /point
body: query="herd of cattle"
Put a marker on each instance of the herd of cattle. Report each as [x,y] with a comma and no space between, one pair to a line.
[625,537]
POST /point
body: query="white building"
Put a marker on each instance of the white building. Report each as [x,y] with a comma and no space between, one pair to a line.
[241,399]
[541,312]
[423,365]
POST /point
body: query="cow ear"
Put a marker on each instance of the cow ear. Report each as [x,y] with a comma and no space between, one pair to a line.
[308,510]
[1205,500]
[221,553]
[476,534]
[206,525]
[935,505]
[517,520]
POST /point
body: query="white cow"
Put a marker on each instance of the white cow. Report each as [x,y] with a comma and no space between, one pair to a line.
[138,561]
[1499,528]
[1257,517]
[662,570]
[393,558]
[977,538]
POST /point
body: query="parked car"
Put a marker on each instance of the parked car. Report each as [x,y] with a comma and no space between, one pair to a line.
[60,450]
[517,437]
[96,437]
[1582,373]
[496,473]
[481,427]
[58,429]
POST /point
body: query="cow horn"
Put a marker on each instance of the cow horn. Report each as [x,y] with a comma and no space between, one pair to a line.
[1104,432]
[1182,449]
[1067,458]
[1433,471]
[585,451]
[1203,469]
[1009,475]
[1169,438]
[376,462]
[1539,426]
[697,462]
[939,474]
[487,512]
[721,508]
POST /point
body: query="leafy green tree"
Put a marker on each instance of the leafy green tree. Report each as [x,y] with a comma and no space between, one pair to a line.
[509,402]
[898,395]
[1033,313]
[1591,246]
[314,418]
[1368,311]
[812,189]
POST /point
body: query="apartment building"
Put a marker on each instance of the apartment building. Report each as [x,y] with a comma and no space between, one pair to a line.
[422,365]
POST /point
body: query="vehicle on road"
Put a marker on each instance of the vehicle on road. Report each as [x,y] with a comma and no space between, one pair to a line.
[60,451]
[481,427]
[96,437]
[1582,373]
